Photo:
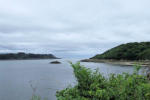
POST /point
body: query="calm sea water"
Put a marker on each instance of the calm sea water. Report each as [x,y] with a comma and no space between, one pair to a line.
[20,79]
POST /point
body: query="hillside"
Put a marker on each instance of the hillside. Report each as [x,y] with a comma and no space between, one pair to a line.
[129,51]
[21,55]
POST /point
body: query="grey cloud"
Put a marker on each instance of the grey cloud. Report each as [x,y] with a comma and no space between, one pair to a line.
[72,27]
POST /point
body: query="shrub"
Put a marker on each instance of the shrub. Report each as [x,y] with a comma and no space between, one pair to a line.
[34,97]
[92,85]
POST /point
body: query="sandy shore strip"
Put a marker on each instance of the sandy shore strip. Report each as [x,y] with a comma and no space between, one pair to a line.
[143,63]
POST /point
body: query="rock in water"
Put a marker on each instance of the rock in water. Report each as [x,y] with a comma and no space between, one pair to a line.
[55,62]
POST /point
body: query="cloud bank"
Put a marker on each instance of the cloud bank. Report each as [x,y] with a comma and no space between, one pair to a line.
[72,28]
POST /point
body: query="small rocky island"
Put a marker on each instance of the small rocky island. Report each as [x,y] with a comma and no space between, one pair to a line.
[55,62]
[125,54]
[22,56]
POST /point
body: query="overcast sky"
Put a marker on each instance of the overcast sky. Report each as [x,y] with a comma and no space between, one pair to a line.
[72,28]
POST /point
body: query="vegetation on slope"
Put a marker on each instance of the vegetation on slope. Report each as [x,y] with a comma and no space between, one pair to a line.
[93,86]
[22,55]
[129,51]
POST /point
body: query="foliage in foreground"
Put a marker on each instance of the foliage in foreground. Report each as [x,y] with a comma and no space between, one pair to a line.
[36,97]
[93,86]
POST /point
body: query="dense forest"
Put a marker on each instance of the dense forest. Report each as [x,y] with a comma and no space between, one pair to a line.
[22,55]
[129,51]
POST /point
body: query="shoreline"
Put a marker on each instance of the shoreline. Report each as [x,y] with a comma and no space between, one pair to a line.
[30,59]
[143,63]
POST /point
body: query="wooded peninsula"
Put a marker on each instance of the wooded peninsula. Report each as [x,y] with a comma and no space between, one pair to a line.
[125,54]
[22,55]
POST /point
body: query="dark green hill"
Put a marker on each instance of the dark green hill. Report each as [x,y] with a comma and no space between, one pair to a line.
[129,51]
[21,55]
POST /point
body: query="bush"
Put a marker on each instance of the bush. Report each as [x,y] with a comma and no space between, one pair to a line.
[36,97]
[93,86]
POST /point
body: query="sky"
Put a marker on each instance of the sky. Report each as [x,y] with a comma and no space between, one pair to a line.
[72,28]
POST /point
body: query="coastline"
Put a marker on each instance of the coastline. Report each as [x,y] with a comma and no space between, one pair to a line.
[30,59]
[143,63]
